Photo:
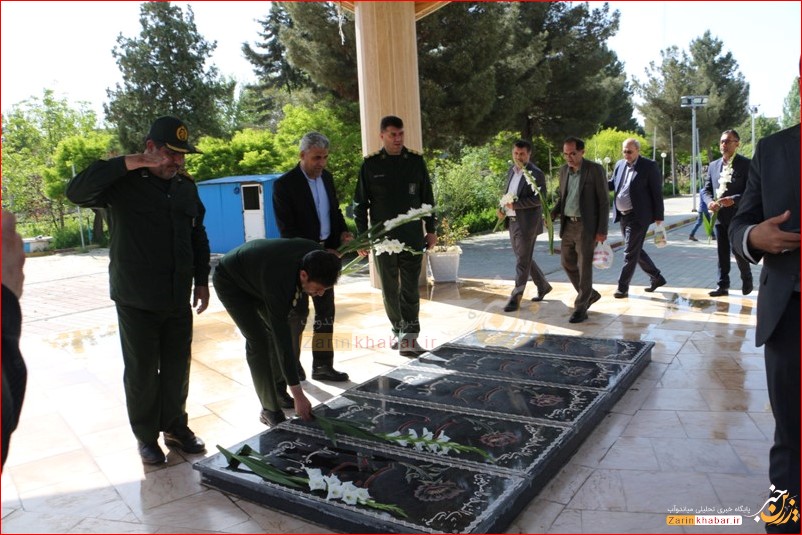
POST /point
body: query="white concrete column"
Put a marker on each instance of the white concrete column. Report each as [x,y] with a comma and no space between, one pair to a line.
[387,65]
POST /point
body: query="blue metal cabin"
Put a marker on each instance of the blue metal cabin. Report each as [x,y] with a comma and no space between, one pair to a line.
[238,209]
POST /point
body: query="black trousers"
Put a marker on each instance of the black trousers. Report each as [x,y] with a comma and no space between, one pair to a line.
[157,351]
[250,315]
[782,375]
[723,248]
[399,274]
[634,233]
[323,330]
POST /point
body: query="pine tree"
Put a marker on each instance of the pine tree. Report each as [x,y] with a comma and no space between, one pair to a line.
[164,73]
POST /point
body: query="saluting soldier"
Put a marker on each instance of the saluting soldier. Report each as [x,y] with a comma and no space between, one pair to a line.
[391,182]
[158,246]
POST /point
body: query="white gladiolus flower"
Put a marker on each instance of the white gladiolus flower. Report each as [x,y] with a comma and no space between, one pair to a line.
[507,198]
[316,479]
[388,246]
[350,493]
[362,495]
[411,215]
[335,487]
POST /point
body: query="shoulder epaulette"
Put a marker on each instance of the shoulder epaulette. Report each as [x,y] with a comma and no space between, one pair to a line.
[372,154]
[183,174]
[413,151]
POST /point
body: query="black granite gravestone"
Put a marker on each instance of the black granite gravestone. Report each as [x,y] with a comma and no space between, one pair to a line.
[457,441]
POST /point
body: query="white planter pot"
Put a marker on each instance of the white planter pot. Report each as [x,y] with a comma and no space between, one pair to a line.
[444,266]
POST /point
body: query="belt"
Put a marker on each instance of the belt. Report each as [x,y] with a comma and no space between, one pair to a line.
[323,243]
[574,219]
[625,213]
[512,218]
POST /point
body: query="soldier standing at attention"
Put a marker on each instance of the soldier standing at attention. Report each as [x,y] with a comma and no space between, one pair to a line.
[391,182]
[158,247]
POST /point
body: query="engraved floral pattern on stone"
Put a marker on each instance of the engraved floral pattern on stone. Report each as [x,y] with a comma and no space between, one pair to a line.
[545,400]
[499,439]
[437,491]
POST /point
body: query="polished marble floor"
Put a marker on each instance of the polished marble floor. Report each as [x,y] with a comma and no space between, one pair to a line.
[692,432]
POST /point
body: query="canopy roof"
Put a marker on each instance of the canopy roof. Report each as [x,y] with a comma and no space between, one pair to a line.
[422,9]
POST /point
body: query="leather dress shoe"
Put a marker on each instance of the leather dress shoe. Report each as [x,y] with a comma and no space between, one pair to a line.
[747,287]
[578,316]
[540,295]
[595,296]
[656,283]
[410,348]
[619,294]
[151,453]
[271,418]
[184,439]
[718,292]
[285,400]
[301,373]
[692,238]
[328,373]
[513,305]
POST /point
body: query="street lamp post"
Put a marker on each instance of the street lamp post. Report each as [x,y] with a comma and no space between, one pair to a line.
[693,102]
[753,111]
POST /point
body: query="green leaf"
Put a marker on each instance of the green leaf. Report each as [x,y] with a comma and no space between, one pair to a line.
[263,468]
[332,426]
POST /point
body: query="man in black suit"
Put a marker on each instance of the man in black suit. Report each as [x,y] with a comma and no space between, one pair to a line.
[306,206]
[766,226]
[584,211]
[524,218]
[638,203]
[726,181]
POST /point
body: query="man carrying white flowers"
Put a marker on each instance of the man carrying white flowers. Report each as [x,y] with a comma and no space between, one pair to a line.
[392,181]
[725,183]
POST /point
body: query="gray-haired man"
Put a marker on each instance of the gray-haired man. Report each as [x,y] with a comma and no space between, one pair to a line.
[306,206]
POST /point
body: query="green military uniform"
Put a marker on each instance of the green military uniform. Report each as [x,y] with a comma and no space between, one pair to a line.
[390,185]
[158,246]
[258,283]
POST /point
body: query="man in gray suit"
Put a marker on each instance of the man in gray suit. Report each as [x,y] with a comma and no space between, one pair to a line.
[584,209]
[766,227]
[525,222]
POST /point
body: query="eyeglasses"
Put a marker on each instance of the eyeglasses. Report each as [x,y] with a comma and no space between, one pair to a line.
[727,141]
[627,151]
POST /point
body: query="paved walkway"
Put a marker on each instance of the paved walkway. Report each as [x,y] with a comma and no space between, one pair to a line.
[694,430]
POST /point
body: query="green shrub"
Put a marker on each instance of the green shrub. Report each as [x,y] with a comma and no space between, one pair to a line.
[478,221]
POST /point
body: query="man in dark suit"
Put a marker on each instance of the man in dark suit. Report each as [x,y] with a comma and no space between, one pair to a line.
[306,206]
[726,181]
[638,203]
[524,218]
[584,209]
[766,226]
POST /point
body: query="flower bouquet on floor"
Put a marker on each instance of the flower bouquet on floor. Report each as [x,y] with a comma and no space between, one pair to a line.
[375,238]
